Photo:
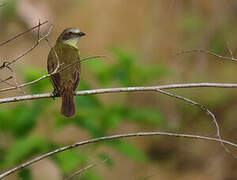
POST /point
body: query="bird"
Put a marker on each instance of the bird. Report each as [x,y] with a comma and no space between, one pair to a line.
[64,66]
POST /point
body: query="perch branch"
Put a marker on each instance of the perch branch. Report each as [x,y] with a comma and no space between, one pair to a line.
[117,90]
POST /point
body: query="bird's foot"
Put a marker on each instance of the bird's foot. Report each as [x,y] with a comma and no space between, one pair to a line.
[55,94]
[74,92]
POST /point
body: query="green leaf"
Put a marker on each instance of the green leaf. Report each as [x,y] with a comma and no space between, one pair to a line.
[129,149]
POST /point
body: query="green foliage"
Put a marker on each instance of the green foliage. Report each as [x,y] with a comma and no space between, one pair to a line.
[69,160]
[127,70]
[7,11]
[191,22]
[25,120]
[145,115]
[129,149]
[89,174]
[25,147]
[25,174]
[33,73]
[106,158]
[218,38]
[93,115]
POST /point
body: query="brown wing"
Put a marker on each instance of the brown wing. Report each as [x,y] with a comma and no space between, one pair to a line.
[76,76]
[52,65]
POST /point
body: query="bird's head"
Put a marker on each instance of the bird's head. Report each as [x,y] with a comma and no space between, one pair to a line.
[70,36]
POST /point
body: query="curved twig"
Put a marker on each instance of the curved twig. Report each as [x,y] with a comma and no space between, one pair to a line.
[209,53]
[106,138]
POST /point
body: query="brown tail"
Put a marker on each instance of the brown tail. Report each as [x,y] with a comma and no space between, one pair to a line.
[68,106]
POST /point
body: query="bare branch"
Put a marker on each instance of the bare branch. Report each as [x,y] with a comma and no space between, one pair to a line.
[207,52]
[80,171]
[21,33]
[14,77]
[117,90]
[5,64]
[48,75]
[112,137]
[5,80]
[204,109]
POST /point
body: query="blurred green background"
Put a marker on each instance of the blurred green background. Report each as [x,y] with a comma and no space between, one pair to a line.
[140,40]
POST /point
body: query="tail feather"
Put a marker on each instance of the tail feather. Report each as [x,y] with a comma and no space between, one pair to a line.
[68,105]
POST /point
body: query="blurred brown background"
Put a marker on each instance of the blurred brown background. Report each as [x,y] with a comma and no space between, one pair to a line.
[156,30]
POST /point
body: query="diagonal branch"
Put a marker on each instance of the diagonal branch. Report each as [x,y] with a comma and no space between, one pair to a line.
[6,63]
[112,137]
[21,33]
[80,171]
[5,80]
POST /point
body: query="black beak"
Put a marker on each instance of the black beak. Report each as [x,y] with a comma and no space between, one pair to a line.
[81,34]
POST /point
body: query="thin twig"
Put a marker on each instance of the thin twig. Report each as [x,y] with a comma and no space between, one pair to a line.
[27,51]
[48,75]
[204,109]
[207,52]
[112,137]
[121,89]
[80,171]
[5,81]
[230,50]
[21,33]
[15,80]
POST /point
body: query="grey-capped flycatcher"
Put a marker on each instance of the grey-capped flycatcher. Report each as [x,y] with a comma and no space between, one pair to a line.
[65,56]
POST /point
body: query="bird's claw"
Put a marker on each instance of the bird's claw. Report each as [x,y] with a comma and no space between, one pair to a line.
[55,94]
